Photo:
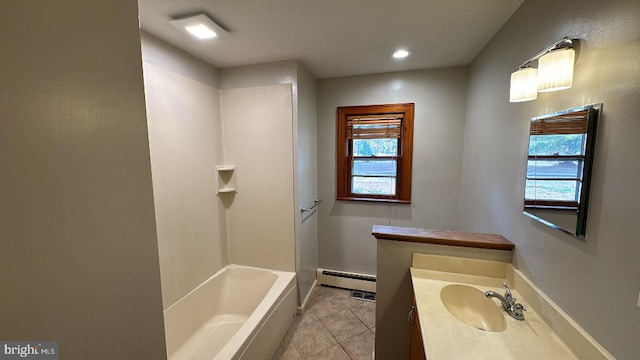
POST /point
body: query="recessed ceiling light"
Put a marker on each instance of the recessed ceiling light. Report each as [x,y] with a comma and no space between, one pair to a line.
[200,26]
[401,54]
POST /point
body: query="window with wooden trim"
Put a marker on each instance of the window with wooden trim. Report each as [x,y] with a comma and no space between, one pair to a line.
[557,150]
[375,151]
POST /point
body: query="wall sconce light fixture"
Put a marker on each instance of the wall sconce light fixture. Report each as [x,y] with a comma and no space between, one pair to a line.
[554,72]
[524,84]
[199,26]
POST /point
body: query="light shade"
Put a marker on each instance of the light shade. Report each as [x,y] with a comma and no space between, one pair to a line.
[555,70]
[199,26]
[524,85]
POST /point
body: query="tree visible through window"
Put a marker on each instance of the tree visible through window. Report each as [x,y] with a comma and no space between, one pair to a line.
[557,149]
[375,152]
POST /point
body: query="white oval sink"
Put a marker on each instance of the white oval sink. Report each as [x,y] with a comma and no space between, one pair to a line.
[469,305]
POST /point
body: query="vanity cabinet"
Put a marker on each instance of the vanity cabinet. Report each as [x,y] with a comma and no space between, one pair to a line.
[416,347]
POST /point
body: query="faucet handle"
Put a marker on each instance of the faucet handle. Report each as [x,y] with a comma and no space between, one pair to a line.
[516,311]
[507,294]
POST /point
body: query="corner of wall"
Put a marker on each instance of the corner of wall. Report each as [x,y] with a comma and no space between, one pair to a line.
[280,72]
[160,53]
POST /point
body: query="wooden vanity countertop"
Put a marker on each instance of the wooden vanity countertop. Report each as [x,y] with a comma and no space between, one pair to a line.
[442,237]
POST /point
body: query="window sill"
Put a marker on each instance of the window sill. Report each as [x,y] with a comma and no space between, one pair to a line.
[550,207]
[396,201]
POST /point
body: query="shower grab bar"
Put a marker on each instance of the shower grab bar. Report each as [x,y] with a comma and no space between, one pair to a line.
[315,203]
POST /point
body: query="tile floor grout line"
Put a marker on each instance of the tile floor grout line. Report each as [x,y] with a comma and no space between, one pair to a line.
[345,351]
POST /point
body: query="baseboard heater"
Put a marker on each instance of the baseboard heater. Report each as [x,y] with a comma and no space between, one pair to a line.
[346,280]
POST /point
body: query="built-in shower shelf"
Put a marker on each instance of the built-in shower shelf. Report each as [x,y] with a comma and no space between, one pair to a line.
[227,179]
[226,168]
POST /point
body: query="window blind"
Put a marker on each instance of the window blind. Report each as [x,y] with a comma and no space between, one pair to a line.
[374,126]
[573,123]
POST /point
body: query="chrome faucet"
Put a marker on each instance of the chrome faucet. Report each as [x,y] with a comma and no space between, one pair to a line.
[508,302]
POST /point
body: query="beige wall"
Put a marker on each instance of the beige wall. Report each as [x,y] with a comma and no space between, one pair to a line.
[595,281]
[280,72]
[305,144]
[344,236]
[162,54]
[185,140]
[78,250]
[258,133]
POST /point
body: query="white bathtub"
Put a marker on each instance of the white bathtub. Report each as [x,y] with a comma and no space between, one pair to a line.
[239,313]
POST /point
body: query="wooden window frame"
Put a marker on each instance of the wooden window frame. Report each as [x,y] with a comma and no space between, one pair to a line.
[404,158]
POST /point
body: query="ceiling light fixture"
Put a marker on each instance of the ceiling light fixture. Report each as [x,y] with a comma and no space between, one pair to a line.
[554,72]
[199,26]
[401,54]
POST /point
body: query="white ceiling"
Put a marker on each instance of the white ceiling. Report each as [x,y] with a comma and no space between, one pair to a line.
[335,37]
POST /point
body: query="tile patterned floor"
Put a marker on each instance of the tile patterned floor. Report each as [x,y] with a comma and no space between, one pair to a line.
[333,327]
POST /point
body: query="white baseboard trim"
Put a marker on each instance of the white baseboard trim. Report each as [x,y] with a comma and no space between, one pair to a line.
[300,309]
